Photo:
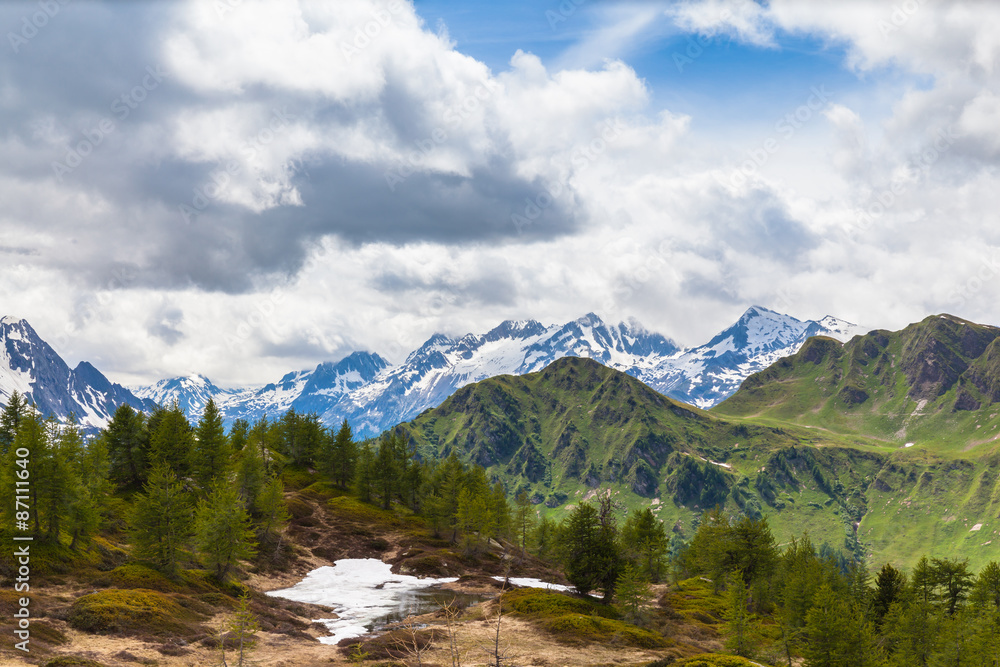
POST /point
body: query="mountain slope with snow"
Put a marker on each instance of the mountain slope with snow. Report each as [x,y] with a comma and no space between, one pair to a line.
[373,396]
[30,366]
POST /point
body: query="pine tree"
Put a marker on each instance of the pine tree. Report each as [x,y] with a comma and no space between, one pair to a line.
[345,456]
[645,541]
[524,520]
[889,588]
[244,627]
[742,626]
[364,478]
[161,520]
[211,454]
[387,470]
[590,551]
[272,512]
[239,434]
[825,628]
[498,519]
[633,592]
[128,447]
[10,420]
[250,477]
[223,531]
[172,442]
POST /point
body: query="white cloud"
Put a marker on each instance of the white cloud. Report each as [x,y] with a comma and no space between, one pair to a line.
[306,254]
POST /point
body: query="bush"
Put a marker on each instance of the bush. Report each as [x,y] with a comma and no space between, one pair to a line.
[72,661]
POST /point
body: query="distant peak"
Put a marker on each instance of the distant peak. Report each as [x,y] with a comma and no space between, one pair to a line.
[590,320]
[7,319]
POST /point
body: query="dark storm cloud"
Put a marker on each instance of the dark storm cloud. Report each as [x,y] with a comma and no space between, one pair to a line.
[75,87]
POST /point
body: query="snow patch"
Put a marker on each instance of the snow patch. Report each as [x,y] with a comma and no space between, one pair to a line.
[360,590]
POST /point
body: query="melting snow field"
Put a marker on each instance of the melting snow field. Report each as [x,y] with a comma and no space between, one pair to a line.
[361,591]
[529,582]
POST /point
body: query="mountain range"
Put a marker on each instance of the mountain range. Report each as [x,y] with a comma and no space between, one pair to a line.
[374,395]
[887,446]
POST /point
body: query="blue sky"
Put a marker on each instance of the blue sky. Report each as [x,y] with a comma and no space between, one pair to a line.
[303,178]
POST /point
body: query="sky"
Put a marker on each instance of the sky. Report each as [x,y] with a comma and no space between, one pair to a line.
[241,188]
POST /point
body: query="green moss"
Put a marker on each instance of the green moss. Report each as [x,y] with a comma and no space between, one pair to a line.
[72,661]
[134,575]
[296,478]
[540,603]
[594,629]
[298,508]
[715,660]
[137,611]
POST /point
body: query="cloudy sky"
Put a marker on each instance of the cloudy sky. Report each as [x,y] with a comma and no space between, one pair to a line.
[242,188]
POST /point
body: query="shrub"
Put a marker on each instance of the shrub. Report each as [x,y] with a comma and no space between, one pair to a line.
[597,629]
[538,602]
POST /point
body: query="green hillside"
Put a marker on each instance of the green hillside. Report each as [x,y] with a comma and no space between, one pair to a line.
[561,433]
[934,384]
[816,442]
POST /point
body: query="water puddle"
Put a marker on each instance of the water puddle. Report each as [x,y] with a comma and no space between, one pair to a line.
[366,595]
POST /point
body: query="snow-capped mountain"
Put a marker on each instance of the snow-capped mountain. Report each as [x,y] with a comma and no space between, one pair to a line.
[191,393]
[372,395]
[31,367]
[710,373]
[307,391]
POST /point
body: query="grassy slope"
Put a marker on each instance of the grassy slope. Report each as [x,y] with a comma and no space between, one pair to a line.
[929,385]
[576,425]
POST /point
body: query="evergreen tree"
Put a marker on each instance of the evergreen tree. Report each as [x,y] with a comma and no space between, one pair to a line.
[986,592]
[364,479]
[826,624]
[590,551]
[239,435]
[742,626]
[632,591]
[161,520]
[498,521]
[954,581]
[273,513]
[345,456]
[387,470]
[90,502]
[128,447]
[645,542]
[889,588]
[243,627]
[211,453]
[250,476]
[524,520]
[546,538]
[172,442]
[223,531]
[10,420]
